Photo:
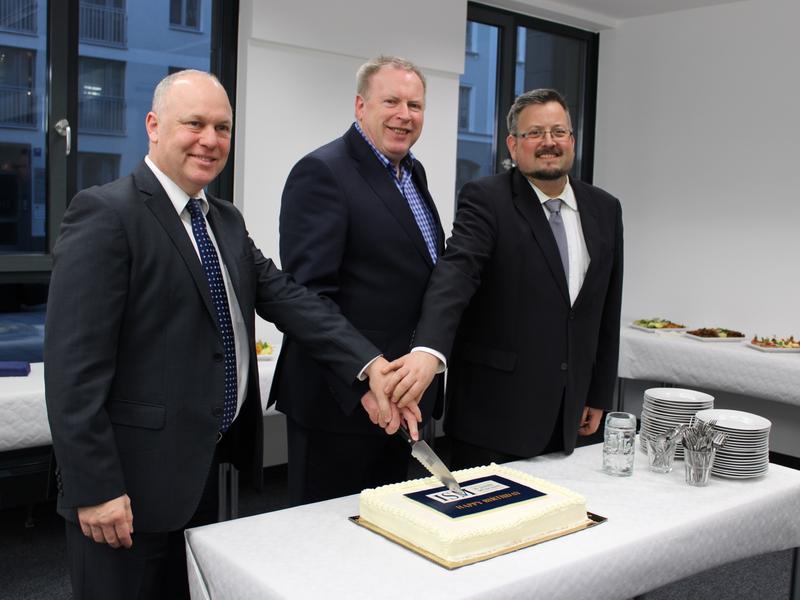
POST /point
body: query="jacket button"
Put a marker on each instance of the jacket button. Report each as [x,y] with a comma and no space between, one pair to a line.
[218,356]
[572,315]
[216,411]
[563,366]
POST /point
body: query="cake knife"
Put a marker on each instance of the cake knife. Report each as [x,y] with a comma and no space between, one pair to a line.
[425,455]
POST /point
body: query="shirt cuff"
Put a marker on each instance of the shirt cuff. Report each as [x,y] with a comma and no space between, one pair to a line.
[442,360]
[362,374]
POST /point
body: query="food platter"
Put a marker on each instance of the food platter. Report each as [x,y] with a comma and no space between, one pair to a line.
[658,325]
[715,334]
[776,350]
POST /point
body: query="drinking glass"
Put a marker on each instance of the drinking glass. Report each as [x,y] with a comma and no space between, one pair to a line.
[619,444]
[661,453]
[698,465]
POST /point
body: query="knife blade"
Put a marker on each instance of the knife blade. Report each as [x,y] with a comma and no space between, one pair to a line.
[428,458]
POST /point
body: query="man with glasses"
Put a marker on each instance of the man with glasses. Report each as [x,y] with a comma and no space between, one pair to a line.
[525,302]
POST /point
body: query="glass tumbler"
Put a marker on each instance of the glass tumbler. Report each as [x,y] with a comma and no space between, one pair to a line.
[661,453]
[619,444]
[698,465]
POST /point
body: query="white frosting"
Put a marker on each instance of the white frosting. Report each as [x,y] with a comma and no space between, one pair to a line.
[482,533]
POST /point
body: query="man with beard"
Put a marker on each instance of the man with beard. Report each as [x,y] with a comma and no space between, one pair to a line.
[525,302]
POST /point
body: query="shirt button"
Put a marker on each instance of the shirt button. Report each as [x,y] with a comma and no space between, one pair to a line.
[563,366]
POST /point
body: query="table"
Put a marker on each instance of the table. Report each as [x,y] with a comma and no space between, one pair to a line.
[23,414]
[726,366]
[659,530]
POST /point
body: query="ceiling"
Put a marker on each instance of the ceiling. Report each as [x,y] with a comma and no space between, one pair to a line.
[600,14]
[629,9]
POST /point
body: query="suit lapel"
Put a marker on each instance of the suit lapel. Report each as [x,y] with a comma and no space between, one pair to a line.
[527,203]
[377,177]
[156,199]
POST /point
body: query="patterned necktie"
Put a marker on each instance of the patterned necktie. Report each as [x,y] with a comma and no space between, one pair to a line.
[216,285]
[557,225]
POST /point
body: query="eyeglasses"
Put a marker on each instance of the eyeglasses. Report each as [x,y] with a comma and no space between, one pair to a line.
[557,133]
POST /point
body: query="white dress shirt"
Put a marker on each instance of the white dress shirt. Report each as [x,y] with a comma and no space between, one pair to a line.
[179,200]
[576,244]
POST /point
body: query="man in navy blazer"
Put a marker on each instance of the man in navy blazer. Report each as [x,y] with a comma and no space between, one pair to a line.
[530,327]
[136,355]
[359,227]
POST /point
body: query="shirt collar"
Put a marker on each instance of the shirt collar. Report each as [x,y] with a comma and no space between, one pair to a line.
[405,164]
[567,195]
[176,195]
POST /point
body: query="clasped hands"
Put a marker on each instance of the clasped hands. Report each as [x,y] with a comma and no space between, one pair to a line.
[396,388]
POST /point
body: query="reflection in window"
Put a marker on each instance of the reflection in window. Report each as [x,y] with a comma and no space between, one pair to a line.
[101,101]
[185,14]
[477,105]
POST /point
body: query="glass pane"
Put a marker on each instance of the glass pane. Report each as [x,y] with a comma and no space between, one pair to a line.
[120,64]
[23,56]
[475,155]
[546,60]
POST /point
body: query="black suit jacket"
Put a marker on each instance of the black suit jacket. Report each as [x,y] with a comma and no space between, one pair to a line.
[519,346]
[348,233]
[134,366]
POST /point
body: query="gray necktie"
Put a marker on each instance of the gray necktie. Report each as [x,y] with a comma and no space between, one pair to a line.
[557,225]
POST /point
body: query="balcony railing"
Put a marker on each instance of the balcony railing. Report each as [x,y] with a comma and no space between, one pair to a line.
[104,25]
[17,107]
[102,114]
[18,16]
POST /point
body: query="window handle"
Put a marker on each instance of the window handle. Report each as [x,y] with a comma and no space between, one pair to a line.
[63,129]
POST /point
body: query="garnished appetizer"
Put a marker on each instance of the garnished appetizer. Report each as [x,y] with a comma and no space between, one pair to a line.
[657,324]
[263,348]
[775,342]
[716,332]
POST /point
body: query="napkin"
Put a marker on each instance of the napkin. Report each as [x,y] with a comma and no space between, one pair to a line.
[14,368]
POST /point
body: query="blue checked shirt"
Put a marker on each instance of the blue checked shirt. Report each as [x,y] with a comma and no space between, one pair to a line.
[405,184]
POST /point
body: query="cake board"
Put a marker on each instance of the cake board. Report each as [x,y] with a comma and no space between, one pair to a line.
[591,521]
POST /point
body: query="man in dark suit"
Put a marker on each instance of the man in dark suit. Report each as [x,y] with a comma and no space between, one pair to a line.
[151,374]
[359,227]
[526,300]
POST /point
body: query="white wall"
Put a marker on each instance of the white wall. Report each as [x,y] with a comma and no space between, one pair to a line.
[698,134]
[296,91]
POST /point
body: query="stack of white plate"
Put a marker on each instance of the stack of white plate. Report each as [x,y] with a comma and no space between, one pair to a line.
[665,408]
[746,450]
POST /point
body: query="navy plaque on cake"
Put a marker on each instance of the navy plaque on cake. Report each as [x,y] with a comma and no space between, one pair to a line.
[481,494]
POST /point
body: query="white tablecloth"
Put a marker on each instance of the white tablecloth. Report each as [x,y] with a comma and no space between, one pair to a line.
[726,366]
[659,530]
[23,414]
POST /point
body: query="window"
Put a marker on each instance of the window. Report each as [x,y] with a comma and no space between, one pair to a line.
[18,16]
[101,104]
[185,14]
[18,97]
[93,64]
[96,169]
[464,106]
[104,22]
[510,54]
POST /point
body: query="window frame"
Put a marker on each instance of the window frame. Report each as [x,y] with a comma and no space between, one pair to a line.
[61,89]
[508,23]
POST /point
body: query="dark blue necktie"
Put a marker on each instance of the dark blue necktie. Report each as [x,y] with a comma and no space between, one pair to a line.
[216,285]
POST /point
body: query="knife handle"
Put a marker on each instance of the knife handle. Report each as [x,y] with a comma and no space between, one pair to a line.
[405,435]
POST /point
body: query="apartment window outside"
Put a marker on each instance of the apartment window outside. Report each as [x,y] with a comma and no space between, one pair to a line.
[18,16]
[101,89]
[104,22]
[18,95]
[96,169]
[185,14]
[464,107]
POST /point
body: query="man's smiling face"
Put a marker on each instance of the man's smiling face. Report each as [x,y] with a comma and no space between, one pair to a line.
[392,111]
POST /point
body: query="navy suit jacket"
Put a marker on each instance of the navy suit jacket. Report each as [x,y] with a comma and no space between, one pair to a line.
[520,347]
[347,233]
[134,367]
